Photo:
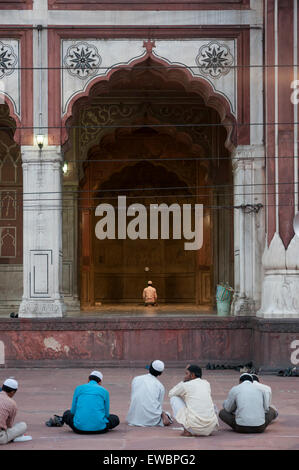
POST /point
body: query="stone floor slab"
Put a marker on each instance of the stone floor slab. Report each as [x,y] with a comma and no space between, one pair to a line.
[44,392]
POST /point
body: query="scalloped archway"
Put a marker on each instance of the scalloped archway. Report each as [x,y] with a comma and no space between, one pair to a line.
[102,130]
[156,70]
[11,197]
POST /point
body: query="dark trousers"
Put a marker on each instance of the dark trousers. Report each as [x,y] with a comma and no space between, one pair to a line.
[68,418]
[229,418]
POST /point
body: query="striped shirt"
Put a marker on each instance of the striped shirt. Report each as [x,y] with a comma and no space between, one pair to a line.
[8,411]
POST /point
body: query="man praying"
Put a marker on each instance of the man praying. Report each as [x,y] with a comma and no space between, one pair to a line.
[149,295]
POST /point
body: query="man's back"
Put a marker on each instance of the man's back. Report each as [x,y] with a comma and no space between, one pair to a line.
[8,410]
[197,397]
[90,407]
[267,390]
[150,294]
[249,404]
[146,401]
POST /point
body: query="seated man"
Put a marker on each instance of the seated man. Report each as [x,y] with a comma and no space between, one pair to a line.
[149,294]
[246,408]
[147,399]
[192,404]
[90,408]
[268,393]
[8,410]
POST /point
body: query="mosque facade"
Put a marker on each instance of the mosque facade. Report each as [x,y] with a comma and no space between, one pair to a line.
[181,102]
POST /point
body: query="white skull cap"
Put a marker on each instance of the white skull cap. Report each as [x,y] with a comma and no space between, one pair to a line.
[11,383]
[245,373]
[98,374]
[158,365]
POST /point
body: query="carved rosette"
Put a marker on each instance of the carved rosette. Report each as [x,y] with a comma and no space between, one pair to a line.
[82,60]
[8,60]
[214,59]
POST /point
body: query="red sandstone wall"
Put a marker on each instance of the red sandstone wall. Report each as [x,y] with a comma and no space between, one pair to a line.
[73,343]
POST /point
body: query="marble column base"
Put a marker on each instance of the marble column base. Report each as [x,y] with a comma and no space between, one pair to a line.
[243,306]
[280,298]
[280,293]
[42,309]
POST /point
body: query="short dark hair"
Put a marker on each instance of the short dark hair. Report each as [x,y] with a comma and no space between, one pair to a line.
[246,377]
[194,369]
[7,389]
[95,378]
[255,377]
[154,372]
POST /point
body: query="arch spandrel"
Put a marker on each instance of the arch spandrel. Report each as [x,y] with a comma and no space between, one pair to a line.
[124,79]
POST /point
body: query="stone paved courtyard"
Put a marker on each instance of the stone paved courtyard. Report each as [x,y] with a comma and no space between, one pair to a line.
[44,392]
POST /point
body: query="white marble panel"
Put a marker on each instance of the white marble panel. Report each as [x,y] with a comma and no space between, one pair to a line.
[10,73]
[84,60]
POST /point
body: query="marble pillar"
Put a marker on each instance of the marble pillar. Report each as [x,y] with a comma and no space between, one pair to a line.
[42,233]
[280,293]
[280,296]
[248,168]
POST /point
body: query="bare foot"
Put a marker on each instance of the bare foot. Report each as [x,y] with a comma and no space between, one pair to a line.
[165,419]
[186,433]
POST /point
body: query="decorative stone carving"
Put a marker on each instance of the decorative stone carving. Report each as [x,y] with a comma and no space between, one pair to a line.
[41,309]
[82,65]
[8,60]
[8,242]
[102,115]
[8,205]
[10,160]
[93,118]
[214,59]
[82,60]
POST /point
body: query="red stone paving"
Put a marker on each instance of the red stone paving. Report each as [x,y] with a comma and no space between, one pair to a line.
[43,392]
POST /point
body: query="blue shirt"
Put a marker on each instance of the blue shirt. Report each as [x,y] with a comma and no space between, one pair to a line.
[90,407]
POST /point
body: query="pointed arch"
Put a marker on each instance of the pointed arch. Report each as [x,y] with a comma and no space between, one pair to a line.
[180,76]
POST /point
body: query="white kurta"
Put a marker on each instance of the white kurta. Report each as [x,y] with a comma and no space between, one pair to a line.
[267,390]
[199,414]
[147,396]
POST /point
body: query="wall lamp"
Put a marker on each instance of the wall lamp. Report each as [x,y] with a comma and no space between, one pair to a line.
[40,140]
[65,168]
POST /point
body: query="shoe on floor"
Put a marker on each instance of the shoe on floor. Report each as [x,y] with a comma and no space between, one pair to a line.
[55,422]
[22,438]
